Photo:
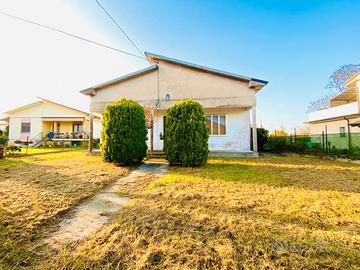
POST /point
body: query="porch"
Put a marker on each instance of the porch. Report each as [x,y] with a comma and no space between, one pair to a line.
[65,129]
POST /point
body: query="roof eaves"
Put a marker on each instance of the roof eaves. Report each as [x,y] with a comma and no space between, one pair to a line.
[91,91]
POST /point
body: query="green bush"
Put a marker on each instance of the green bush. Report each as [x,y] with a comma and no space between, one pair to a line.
[262,137]
[298,147]
[186,135]
[277,143]
[3,140]
[124,132]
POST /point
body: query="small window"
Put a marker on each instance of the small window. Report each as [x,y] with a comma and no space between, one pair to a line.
[25,127]
[216,124]
[77,128]
[342,131]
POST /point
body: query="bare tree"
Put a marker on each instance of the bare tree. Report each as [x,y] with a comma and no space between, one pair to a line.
[335,86]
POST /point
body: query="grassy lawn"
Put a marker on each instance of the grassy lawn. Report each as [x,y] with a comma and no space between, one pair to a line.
[266,213]
[35,191]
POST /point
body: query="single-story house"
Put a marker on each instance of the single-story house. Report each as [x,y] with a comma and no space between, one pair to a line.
[36,121]
[229,100]
[338,125]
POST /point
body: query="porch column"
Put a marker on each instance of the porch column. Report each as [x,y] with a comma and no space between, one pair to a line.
[91,132]
[254,131]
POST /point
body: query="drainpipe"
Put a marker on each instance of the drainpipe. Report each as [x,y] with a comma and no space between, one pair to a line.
[349,134]
[254,131]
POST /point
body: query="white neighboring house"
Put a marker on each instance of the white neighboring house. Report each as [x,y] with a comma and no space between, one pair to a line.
[34,122]
[229,100]
[339,125]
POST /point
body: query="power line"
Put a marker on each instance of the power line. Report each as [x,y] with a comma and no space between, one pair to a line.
[71,35]
[113,20]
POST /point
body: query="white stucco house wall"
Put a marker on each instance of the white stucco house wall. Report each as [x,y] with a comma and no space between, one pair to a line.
[229,100]
[34,121]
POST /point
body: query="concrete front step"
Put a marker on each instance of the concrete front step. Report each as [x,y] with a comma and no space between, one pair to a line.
[156,154]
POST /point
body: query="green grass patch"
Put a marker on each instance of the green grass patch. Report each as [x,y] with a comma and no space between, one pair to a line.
[218,170]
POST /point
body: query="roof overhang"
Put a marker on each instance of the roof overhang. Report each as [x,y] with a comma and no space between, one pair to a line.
[324,120]
[355,124]
[92,90]
[350,94]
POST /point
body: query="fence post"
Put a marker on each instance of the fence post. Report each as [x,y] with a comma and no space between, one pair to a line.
[323,141]
[326,139]
[349,133]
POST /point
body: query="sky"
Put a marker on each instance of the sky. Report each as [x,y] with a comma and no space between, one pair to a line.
[295,45]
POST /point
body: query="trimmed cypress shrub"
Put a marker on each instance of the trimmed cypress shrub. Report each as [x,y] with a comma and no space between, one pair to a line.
[124,132]
[186,134]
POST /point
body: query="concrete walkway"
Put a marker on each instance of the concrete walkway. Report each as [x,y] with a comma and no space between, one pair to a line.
[92,214]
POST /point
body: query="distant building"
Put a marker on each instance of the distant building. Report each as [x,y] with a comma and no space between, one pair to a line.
[36,120]
[340,123]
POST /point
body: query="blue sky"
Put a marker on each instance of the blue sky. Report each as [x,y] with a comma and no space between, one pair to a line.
[295,45]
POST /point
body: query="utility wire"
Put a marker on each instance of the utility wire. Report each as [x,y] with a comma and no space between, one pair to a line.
[71,35]
[113,20]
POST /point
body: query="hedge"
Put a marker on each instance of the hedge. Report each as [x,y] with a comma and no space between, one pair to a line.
[186,135]
[124,132]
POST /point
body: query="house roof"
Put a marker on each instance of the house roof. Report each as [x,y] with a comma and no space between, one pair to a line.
[90,90]
[41,101]
[152,57]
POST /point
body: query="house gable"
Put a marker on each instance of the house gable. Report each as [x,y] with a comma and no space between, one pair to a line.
[45,108]
[169,80]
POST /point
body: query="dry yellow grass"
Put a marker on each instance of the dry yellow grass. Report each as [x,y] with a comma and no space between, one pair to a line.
[35,191]
[266,213]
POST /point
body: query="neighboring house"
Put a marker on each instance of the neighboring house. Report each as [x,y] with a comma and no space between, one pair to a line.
[339,125]
[35,121]
[227,98]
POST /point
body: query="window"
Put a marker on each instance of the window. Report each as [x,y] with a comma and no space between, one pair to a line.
[216,124]
[77,128]
[25,127]
[342,131]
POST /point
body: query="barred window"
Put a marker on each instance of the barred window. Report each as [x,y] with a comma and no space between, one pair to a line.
[216,124]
